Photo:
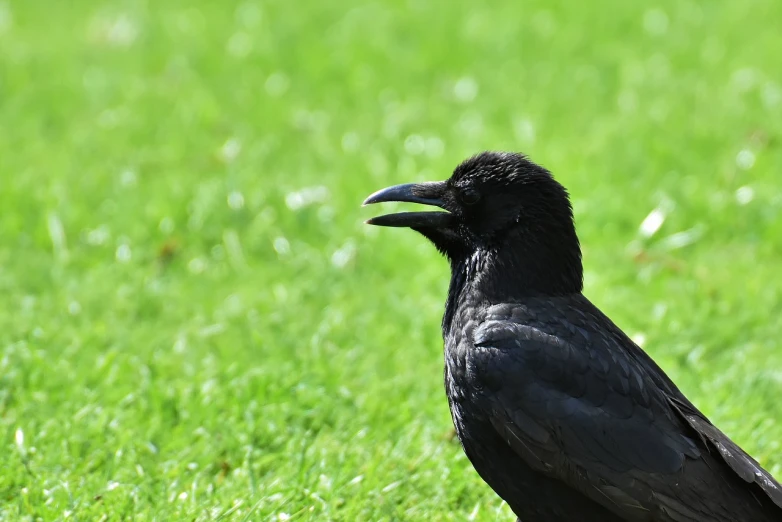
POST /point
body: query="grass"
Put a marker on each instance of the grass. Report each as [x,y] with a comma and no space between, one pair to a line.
[195,324]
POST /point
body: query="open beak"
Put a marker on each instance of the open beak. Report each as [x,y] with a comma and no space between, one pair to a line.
[429,193]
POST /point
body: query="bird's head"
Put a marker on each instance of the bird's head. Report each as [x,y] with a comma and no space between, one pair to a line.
[495,202]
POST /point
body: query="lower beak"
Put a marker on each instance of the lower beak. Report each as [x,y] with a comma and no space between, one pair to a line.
[429,193]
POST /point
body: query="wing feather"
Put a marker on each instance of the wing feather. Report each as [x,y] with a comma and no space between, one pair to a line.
[600,421]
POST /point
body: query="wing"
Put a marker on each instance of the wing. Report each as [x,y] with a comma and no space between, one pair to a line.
[578,407]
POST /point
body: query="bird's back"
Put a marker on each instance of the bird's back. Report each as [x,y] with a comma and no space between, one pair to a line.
[567,419]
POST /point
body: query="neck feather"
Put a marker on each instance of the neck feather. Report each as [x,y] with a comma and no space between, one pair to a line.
[519,268]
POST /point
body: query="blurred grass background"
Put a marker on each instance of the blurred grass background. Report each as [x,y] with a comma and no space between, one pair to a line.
[195,324]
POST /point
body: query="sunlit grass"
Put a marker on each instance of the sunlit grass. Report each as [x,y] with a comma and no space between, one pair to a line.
[195,323]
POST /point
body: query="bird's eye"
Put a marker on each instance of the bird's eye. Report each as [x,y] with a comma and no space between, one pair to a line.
[469,196]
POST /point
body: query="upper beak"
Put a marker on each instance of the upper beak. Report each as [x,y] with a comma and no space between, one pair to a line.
[429,193]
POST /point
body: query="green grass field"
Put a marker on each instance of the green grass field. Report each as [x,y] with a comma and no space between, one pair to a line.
[196,325]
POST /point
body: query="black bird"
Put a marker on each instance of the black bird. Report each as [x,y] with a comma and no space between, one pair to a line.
[564,416]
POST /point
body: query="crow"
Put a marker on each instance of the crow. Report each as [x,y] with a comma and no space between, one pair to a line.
[558,410]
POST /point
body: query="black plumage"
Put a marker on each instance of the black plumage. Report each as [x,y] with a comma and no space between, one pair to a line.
[559,411]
